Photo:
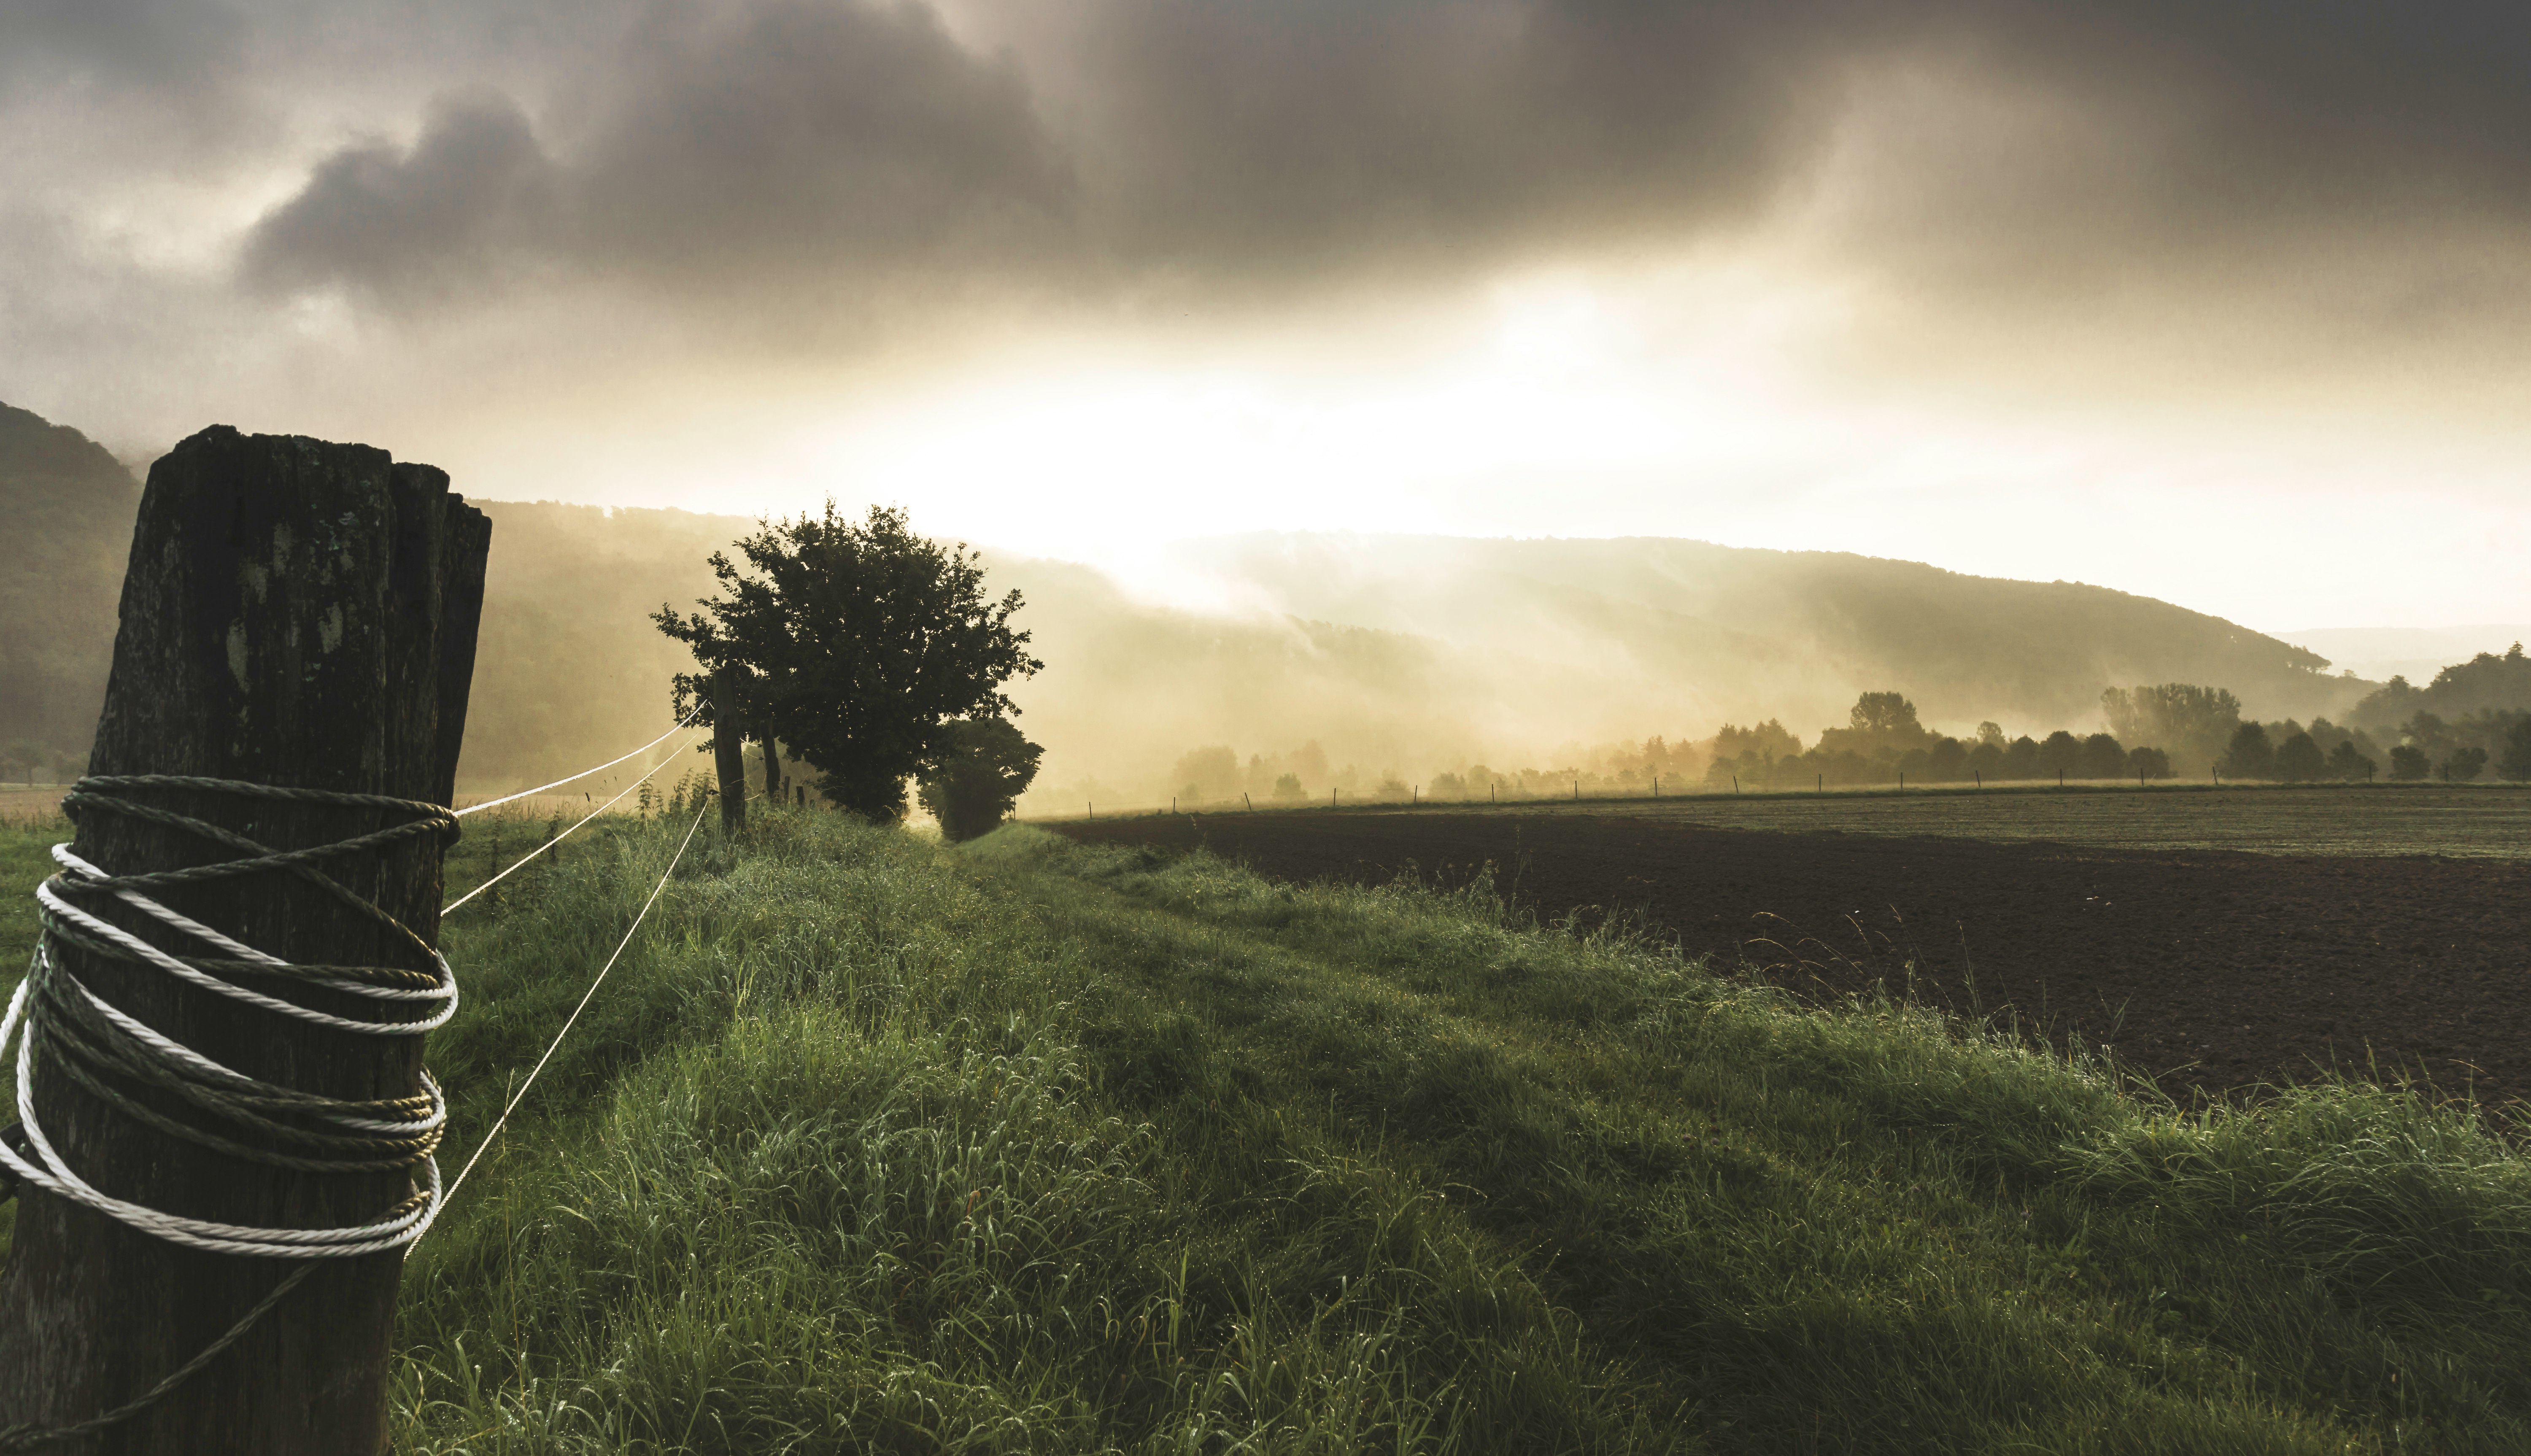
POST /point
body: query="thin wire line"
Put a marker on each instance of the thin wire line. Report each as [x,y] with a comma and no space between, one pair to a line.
[559,838]
[583,773]
[504,1119]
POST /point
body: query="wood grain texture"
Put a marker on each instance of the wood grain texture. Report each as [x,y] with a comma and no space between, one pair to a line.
[297,613]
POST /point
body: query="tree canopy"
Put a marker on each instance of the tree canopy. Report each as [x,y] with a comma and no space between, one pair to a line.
[863,640]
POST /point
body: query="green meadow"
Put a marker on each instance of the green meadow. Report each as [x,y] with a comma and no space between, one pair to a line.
[872,1144]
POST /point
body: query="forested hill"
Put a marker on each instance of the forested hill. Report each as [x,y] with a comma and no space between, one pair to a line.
[69,506]
[1391,654]
[1801,630]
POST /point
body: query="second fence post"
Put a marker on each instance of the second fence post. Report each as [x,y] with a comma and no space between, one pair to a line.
[729,745]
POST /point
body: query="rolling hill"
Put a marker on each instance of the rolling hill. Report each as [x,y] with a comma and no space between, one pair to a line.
[1396,654]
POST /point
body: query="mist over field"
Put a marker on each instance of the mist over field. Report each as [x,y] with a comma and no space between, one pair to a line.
[1452,727]
[1360,664]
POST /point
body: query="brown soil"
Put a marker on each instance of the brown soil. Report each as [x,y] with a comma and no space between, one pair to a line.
[2210,969]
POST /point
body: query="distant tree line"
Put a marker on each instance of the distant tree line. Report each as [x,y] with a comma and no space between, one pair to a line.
[2473,713]
[2155,730]
[1883,739]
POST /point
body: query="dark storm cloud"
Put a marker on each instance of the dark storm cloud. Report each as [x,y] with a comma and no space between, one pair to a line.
[179,50]
[718,149]
[769,141]
[475,192]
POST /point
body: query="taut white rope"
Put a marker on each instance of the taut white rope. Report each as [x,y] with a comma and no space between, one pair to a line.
[586,773]
[585,996]
[557,839]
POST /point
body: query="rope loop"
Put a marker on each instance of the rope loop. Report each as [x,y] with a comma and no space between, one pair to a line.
[113,1055]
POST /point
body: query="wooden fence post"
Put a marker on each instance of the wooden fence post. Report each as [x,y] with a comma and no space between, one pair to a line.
[773,772]
[729,746]
[301,614]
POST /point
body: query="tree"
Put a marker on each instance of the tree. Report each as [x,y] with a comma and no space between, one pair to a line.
[1764,741]
[2249,755]
[1948,760]
[866,641]
[2185,719]
[2144,763]
[1985,760]
[2464,765]
[2516,762]
[980,771]
[2299,760]
[2101,757]
[1208,775]
[2348,762]
[2021,757]
[2408,762]
[1886,715]
[2060,753]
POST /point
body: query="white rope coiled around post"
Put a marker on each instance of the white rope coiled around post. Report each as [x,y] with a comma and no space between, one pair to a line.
[111,1054]
[104,1048]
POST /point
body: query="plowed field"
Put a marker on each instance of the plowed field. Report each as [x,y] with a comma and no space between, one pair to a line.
[2210,968]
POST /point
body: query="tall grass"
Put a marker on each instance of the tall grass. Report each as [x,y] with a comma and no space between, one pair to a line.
[870,1145]
[1026,1146]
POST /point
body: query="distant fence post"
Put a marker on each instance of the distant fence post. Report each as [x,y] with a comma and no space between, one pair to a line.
[298,615]
[729,745]
[772,773]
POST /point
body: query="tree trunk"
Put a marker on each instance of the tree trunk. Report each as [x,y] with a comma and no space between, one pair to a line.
[295,613]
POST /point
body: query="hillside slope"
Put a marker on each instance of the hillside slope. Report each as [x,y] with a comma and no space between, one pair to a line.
[69,505]
[1367,655]
[1796,632]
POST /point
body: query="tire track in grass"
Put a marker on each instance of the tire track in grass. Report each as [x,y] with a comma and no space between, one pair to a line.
[1743,1221]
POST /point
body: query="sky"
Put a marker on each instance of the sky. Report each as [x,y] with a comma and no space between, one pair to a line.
[2222,301]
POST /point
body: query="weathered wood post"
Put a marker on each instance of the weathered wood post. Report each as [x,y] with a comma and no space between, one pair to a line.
[729,745]
[773,772]
[299,614]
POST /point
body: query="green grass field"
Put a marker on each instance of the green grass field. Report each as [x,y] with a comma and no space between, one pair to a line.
[1026,1146]
[2479,821]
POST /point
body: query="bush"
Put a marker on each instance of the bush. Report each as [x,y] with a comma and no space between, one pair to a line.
[986,768]
[2350,763]
[2408,762]
[2145,764]
[2464,765]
